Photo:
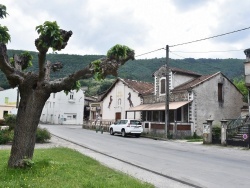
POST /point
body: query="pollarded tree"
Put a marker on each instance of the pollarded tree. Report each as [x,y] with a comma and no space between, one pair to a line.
[36,87]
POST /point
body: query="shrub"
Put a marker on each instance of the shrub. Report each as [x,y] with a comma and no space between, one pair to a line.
[2,122]
[10,120]
[4,136]
[194,137]
[42,135]
[216,132]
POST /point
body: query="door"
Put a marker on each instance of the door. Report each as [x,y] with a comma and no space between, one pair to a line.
[117,116]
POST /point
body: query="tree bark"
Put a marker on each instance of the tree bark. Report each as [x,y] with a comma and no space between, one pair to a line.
[28,116]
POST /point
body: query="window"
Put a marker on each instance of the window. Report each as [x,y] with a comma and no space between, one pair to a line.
[71,96]
[6,100]
[162,116]
[149,117]
[162,86]
[144,115]
[5,113]
[135,122]
[123,121]
[220,92]
[54,95]
[178,118]
[155,115]
[74,116]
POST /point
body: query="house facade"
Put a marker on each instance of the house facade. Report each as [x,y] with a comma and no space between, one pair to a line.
[8,102]
[64,109]
[122,95]
[193,99]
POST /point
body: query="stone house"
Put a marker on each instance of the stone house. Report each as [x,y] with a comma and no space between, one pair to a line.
[194,98]
[64,109]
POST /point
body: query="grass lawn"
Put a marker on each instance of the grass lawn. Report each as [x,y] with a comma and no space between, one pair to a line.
[63,167]
[195,140]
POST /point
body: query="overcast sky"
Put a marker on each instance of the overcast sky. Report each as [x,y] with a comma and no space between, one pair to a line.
[143,25]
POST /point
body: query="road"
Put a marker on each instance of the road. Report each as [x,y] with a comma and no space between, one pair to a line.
[187,164]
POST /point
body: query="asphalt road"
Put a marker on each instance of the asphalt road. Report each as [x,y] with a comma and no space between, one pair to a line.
[187,164]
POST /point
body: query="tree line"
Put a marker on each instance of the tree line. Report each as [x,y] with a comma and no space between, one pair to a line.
[139,69]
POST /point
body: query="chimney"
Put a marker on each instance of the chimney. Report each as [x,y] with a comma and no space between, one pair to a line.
[247,67]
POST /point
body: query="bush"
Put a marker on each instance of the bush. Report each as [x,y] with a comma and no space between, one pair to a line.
[10,120]
[216,132]
[42,135]
[194,137]
[5,136]
[2,122]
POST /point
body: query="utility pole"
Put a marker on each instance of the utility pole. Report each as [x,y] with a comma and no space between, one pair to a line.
[167,92]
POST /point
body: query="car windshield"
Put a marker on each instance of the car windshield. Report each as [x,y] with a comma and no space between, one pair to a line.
[135,122]
[118,122]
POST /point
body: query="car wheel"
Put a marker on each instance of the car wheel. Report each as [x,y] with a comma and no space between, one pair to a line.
[137,135]
[123,133]
[111,132]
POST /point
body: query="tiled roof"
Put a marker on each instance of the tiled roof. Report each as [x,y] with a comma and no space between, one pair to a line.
[194,82]
[181,71]
[174,69]
[139,86]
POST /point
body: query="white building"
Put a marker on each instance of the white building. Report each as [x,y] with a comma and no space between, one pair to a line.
[121,96]
[64,109]
[8,100]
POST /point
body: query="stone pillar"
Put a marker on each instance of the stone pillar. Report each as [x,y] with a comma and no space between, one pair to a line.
[224,132]
[207,132]
[175,130]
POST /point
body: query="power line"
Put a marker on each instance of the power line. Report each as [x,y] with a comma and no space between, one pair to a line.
[150,52]
[176,54]
[210,37]
[235,31]
[210,51]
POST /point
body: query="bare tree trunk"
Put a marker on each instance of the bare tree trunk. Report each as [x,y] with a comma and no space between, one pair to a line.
[28,116]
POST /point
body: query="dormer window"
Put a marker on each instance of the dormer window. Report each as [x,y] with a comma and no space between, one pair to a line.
[162,86]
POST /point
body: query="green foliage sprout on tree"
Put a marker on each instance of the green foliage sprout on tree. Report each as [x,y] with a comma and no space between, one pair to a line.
[118,52]
[50,35]
[27,59]
[3,12]
[76,86]
[4,35]
[241,85]
[97,69]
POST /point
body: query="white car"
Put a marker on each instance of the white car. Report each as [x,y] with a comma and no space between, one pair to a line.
[127,126]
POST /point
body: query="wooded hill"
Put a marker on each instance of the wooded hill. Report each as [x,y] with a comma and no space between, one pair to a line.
[141,69]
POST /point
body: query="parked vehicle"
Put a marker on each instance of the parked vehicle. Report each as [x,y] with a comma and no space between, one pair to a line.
[126,127]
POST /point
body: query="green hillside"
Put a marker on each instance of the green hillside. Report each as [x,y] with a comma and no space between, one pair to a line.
[141,69]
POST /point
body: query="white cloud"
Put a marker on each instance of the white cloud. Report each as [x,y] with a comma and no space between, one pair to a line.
[144,25]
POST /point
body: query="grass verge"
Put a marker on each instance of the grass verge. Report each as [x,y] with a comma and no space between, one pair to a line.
[63,167]
[195,140]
